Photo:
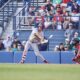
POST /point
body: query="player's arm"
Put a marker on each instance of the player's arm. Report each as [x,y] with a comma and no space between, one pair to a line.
[40,38]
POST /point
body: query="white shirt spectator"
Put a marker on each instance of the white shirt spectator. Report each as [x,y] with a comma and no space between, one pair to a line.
[69,32]
[7,43]
[75,17]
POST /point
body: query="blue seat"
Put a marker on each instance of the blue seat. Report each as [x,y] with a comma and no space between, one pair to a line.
[58,37]
[23,34]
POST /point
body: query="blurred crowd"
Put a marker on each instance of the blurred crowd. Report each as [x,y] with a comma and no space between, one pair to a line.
[11,44]
[60,15]
[64,15]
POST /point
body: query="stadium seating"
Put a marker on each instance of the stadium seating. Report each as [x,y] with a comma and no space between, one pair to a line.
[6,12]
[58,36]
[23,34]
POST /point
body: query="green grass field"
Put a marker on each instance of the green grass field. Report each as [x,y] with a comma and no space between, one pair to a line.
[39,72]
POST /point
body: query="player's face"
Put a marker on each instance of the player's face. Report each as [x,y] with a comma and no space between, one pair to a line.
[39,29]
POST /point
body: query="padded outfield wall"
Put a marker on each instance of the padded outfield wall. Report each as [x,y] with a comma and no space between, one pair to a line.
[52,57]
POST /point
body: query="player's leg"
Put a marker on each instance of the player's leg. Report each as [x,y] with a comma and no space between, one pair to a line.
[27,45]
[37,52]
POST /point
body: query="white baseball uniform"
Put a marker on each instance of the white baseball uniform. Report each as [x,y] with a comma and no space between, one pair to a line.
[33,42]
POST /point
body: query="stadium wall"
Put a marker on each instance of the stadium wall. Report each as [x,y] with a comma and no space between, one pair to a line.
[52,57]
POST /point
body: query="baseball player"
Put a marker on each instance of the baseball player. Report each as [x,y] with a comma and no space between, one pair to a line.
[35,38]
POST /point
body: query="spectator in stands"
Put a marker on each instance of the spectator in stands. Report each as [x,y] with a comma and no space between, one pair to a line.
[7,43]
[64,10]
[49,7]
[1,45]
[67,19]
[75,19]
[67,44]
[19,47]
[14,48]
[59,26]
[16,42]
[56,48]
[57,20]
[31,11]
[61,47]
[66,48]
[48,23]
[42,11]
[75,7]
[55,2]
[75,36]
[69,5]
[59,9]
[65,1]
[69,32]
[75,40]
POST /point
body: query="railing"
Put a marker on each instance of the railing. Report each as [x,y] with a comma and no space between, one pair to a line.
[22,29]
[23,12]
[36,3]
[6,11]
[21,22]
[17,20]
